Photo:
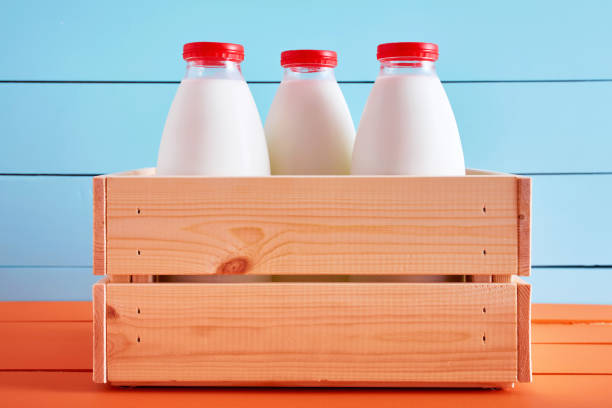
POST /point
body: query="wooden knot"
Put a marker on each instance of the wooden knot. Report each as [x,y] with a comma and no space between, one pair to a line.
[236,266]
[111,313]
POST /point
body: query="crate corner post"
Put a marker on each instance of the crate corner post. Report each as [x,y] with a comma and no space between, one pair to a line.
[99,331]
[99,225]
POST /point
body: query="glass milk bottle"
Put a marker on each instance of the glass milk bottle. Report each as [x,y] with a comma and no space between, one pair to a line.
[408,126]
[309,128]
[213,127]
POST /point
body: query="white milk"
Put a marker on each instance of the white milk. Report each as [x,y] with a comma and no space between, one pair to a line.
[408,127]
[213,128]
[309,128]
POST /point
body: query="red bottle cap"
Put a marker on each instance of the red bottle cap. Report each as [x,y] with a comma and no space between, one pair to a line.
[415,51]
[214,51]
[309,58]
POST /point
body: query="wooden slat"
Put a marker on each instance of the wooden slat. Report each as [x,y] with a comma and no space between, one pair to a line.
[45,346]
[57,30]
[311,332]
[142,278]
[147,171]
[99,331]
[524,225]
[99,225]
[120,278]
[312,225]
[45,311]
[102,149]
[563,333]
[537,135]
[65,239]
[559,313]
[572,358]
[58,389]
[481,278]
[523,315]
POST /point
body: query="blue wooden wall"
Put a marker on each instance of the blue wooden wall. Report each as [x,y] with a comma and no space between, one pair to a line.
[85,88]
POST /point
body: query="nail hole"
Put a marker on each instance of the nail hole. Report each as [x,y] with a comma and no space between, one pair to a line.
[138,339]
[139,252]
[484,209]
[484,252]
[138,310]
[484,310]
[484,338]
[138,210]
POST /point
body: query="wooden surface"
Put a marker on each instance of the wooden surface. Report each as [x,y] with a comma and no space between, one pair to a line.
[308,333]
[99,331]
[524,225]
[523,320]
[312,225]
[99,225]
[61,53]
[68,382]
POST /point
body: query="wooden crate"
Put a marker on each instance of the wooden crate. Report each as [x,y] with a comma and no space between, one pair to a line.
[318,330]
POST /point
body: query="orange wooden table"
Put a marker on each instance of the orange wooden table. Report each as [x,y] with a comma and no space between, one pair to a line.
[45,360]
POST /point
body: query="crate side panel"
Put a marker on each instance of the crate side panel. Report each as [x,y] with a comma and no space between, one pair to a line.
[312,225]
[312,332]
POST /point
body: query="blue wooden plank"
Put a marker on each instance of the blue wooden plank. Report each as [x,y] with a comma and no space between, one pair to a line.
[572,220]
[140,40]
[571,285]
[40,284]
[46,221]
[85,128]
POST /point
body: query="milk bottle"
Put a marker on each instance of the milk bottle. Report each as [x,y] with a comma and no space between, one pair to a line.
[408,126]
[309,127]
[213,127]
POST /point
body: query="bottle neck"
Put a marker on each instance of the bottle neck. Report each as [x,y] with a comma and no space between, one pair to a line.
[308,73]
[214,69]
[407,67]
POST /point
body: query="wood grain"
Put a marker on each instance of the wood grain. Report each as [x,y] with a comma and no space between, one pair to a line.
[61,389]
[572,359]
[99,225]
[555,313]
[577,333]
[311,332]
[142,278]
[120,278]
[480,278]
[312,225]
[99,331]
[524,225]
[523,312]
